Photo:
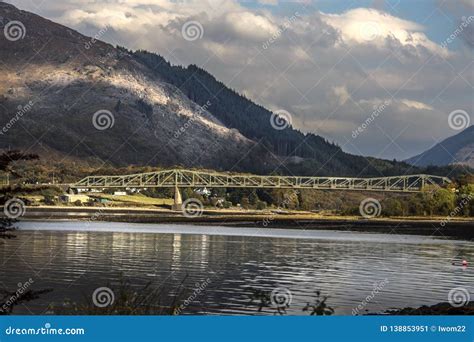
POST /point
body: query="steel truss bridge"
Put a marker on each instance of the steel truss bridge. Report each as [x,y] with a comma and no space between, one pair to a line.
[178,178]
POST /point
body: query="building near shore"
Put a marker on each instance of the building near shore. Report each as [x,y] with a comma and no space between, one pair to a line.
[71,198]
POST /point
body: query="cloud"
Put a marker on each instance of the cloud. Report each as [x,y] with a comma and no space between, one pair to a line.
[328,70]
[342,94]
[370,26]
[416,104]
[250,25]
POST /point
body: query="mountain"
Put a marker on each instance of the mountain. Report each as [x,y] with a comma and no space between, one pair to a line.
[458,149]
[69,77]
[68,95]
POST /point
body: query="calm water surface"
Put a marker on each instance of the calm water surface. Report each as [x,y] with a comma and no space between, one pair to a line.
[74,258]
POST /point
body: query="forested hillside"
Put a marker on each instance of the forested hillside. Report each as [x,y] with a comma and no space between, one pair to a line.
[321,157]
[236,111]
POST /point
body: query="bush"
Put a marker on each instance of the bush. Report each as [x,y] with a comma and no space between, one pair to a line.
[415,205]
[49,200]
[50,192]
[392,207]
[261,205]
[444,201]
[245,203]
[465,200]
[129,300]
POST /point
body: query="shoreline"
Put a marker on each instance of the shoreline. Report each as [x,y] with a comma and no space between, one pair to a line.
[442,308]
[454,228]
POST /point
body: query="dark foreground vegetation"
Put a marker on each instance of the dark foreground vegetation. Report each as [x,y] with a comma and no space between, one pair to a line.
[437,309]
[9,298]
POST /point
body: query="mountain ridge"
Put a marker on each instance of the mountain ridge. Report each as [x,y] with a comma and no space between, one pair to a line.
[457,149]
[70,83]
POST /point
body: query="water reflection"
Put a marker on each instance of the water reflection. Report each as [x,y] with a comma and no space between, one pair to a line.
[345,267]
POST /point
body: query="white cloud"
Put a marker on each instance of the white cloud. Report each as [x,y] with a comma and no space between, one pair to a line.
[250,26]
[416,104]
[342,94]
[370,26]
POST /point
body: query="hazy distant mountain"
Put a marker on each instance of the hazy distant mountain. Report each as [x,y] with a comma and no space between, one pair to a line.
[62,93]
[458,149]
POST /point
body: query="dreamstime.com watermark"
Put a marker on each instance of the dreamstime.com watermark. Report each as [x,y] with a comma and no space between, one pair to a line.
[96,216]
[21,110]
[370,207]
[96,37]
[10,302]
[14,208]
[376,112]
[459,296]
[281,297]
[46,330]
[465,22]
[198,289]
[280,119]
[286,25]
[14,30]
[103,119]
[193,117]
[192,207]
[378,286]
[457,209]
[369,30]
[459,119]
[288,199]
[103,297]
[192,30]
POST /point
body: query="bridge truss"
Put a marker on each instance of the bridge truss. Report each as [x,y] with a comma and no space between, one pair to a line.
[178,178]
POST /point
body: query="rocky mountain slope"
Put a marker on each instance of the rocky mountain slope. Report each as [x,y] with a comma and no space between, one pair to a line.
[68,95]
[458,149]
[54,80]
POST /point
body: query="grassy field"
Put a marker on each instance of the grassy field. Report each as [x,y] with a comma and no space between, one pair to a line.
[136,199]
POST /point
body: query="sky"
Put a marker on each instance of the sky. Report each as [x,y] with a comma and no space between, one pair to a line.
[387,79]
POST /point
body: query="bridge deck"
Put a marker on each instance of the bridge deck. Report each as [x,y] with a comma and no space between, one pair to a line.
[188,178]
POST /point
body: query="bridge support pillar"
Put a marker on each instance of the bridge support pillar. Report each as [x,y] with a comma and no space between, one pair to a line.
[178,201]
